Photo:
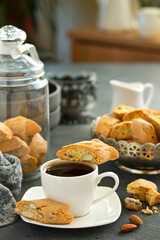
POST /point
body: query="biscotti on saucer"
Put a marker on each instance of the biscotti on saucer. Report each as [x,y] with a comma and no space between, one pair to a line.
[45,211]
[144,190]
[94,151]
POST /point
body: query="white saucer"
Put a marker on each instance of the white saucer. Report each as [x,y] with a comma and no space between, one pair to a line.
[104,212]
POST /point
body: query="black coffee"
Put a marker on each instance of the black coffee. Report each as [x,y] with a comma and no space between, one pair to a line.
[68,169]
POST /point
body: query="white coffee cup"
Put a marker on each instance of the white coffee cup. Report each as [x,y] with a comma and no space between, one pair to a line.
[78,191]
[149,22]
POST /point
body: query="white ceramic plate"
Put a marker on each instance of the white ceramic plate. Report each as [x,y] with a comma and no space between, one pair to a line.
[104,212]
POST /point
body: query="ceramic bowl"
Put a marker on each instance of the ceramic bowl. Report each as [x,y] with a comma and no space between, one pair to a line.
[78,91]
[55,117]
[54,95]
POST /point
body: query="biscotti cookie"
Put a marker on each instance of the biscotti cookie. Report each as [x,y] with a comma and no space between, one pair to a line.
[121,131]
[153,117]
[144,190]
[23,127]
[105,125]
[133,204]
[121,110]
[139,113]
[28,163]
[38,148]
[94,151]
[143,132]
[149,115]
[15,146]
[5,132]
[45,211]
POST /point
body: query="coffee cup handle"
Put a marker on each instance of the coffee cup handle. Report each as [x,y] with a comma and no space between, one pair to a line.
[151,92]
[111,190]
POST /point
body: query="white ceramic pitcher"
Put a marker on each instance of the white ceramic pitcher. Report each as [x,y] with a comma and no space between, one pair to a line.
[131,94]
[149,22]
[117,15]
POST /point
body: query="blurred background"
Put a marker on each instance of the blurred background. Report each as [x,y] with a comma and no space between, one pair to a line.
[87,30]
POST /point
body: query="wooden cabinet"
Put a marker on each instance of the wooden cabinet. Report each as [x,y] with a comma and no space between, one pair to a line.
[92,45]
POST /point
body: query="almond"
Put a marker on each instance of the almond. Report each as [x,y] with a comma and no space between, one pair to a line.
[135,220]
[27,214]
[32,205]
[128,227]
[87,157]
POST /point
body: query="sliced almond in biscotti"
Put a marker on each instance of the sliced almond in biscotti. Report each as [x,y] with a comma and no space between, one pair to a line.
[105,125]
[143,132]
[121,131]
[120,110]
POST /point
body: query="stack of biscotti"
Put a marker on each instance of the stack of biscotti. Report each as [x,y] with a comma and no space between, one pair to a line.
[20,136]
[130,124]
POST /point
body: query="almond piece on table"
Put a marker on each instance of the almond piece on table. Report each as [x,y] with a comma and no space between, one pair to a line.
[128,227]
[135,220]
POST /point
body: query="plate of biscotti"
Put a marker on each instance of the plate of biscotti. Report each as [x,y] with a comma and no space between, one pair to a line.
[102,213]
[135,133]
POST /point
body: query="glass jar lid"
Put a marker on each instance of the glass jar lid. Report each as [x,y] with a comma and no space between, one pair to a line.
[18,61]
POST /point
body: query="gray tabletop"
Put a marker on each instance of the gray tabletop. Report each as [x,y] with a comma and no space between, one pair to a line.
[66,134]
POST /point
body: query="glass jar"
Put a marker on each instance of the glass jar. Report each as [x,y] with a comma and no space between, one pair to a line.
[24,102]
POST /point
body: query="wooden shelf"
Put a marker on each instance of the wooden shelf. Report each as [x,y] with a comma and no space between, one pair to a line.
[92,45]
